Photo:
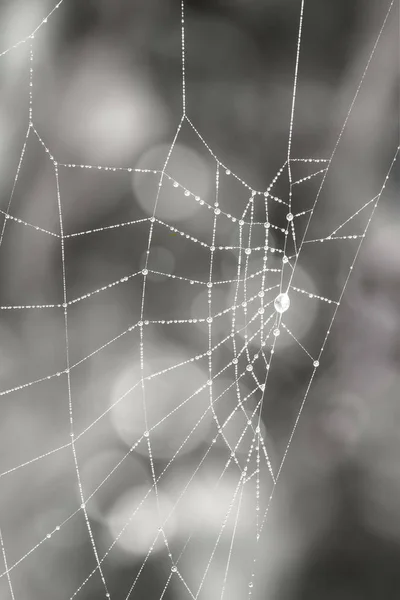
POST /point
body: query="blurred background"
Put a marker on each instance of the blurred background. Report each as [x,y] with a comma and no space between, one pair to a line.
[106,92]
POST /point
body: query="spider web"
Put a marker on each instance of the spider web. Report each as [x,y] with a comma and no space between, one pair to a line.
[243,340]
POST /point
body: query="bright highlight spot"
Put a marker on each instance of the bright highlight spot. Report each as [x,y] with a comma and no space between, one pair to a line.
[141,521]
[108,475]
[177,403]
[282,303]
[175,199]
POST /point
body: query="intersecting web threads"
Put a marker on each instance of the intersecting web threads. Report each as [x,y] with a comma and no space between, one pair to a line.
[167,402]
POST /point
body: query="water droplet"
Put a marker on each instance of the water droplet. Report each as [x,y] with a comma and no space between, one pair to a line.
[282,303]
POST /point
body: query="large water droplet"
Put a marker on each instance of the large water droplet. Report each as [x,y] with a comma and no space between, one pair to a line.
[282,303]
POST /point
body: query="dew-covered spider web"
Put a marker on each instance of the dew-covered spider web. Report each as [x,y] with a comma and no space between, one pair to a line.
[197,468]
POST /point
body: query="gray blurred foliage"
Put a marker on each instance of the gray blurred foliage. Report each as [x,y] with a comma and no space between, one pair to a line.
[336,529]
